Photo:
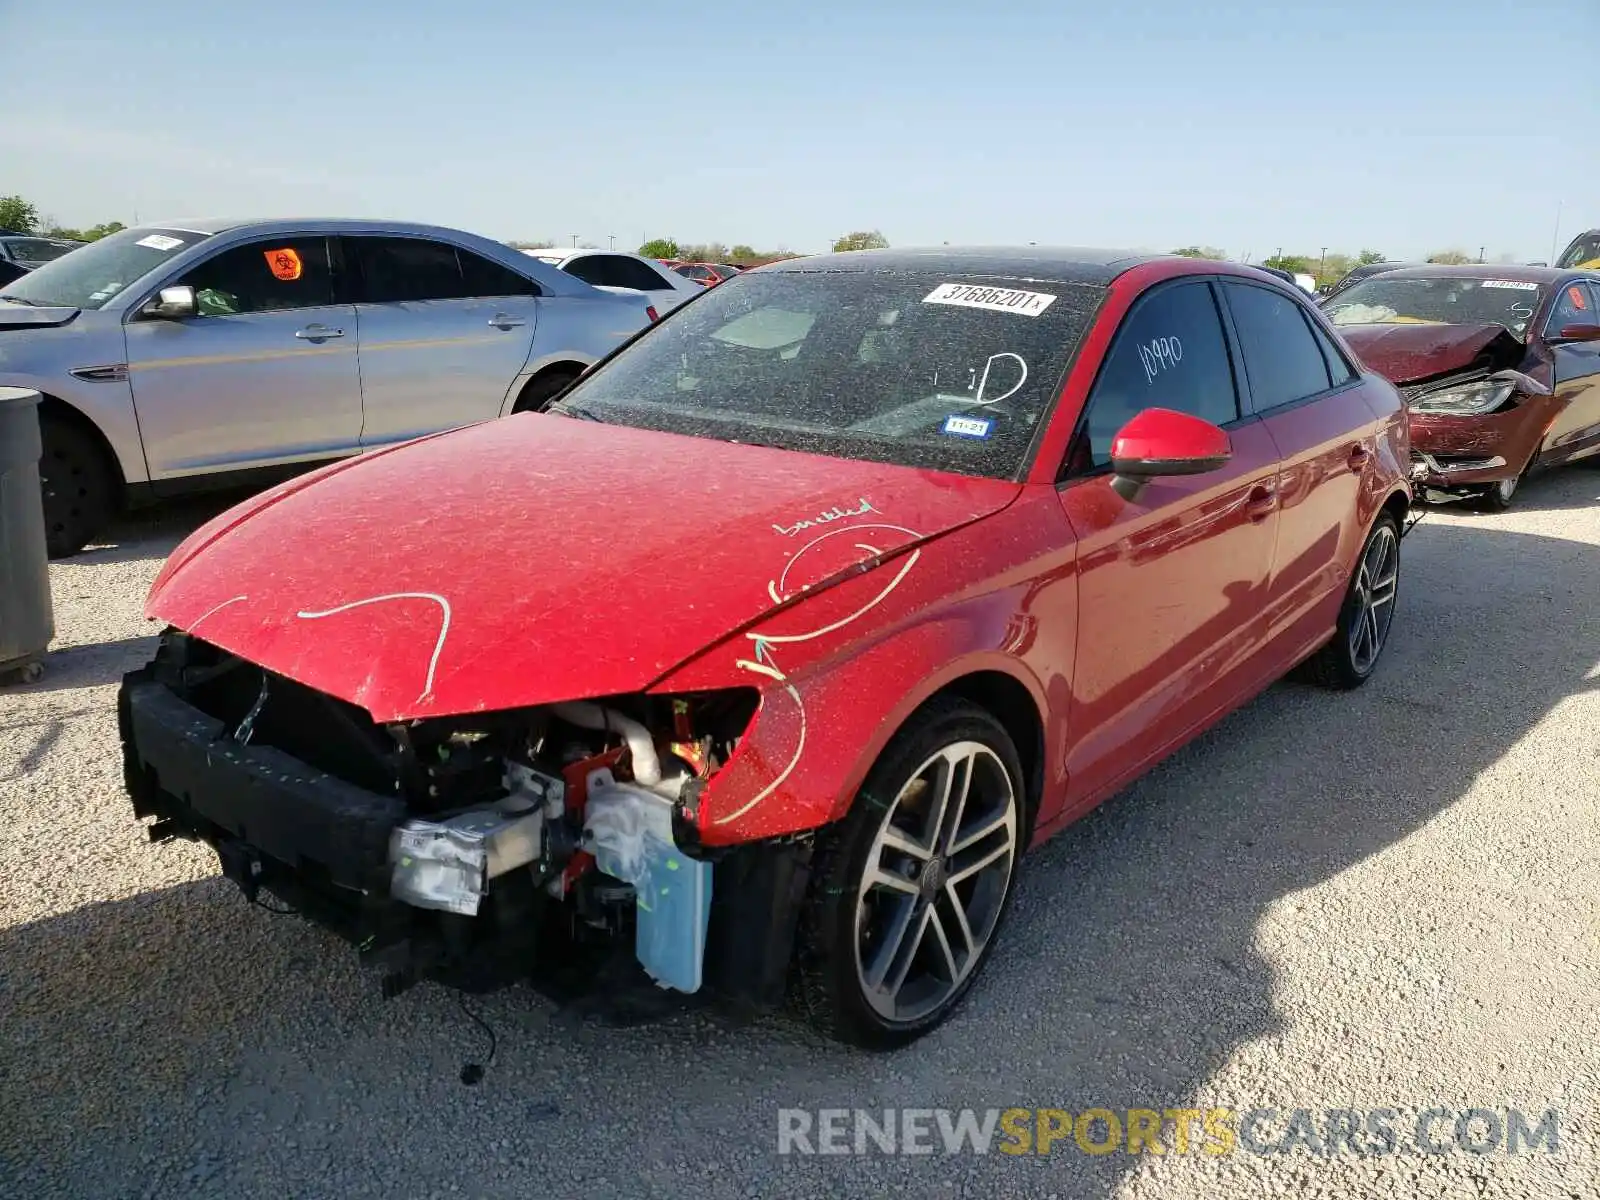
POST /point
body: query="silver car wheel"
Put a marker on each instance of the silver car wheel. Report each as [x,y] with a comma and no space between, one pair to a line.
[1377,582]
[935,882]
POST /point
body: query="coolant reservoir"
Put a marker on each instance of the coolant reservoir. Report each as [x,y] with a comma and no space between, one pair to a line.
[628,829]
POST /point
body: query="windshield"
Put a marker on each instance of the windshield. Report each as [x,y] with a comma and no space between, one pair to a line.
[92,275]
[912,369]
[1584,253]
[1437,300]
[38,249]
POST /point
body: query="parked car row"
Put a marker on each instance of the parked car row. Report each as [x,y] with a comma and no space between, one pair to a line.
[771,645]
[206,354]
[22,252]
[989,533]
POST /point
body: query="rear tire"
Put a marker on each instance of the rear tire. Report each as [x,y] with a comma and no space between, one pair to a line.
[904,908]
[1351,656]
[78,484]
[545,387]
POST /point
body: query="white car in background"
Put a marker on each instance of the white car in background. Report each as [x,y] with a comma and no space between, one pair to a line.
[618,271]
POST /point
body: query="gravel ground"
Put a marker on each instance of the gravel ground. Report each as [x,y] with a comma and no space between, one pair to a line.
[1385,899]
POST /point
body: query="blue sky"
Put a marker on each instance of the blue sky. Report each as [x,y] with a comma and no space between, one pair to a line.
[1402,125]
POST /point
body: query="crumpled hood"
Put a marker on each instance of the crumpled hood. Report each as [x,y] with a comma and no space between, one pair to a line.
[23,316]
[1407,353]
[537,558]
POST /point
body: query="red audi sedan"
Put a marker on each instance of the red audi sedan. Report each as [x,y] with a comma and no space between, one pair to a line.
[767,649]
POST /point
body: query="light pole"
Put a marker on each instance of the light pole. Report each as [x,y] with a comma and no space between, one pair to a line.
[613,238]
[1322,264]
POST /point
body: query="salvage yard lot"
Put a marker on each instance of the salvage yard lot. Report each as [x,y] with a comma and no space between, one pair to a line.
[1381,899]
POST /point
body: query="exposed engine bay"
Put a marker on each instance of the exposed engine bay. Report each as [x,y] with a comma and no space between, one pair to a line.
[474,850]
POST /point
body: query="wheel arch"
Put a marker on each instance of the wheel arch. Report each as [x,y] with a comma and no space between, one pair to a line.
[568,368]
[53,407]
[1009,701]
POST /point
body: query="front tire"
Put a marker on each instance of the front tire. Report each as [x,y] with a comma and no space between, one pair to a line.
[909,891]
[1497,496]
[78,484]
[1351,656]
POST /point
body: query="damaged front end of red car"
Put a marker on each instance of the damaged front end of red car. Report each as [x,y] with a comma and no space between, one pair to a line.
[474,850]
[1477,407]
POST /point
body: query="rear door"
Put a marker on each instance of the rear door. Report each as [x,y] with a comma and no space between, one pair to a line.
[1307,394]
[1576,431]
[445,334]
[1172,583]
[266,374]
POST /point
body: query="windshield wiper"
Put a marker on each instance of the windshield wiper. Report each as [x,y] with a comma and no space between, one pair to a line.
[573,410]
[17,300]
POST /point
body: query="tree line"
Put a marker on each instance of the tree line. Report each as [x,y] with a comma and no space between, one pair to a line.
[19,215]
[1327,268]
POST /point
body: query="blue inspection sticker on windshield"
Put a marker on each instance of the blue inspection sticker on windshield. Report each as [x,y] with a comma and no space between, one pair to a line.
[972,427]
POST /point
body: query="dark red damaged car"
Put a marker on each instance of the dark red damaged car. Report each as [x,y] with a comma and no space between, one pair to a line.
[1500,367]
[764,653]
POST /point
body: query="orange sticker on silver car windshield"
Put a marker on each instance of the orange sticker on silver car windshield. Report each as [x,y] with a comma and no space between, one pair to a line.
[285,264]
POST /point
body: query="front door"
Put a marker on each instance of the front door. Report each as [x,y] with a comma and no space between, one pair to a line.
[445,334]
[265,374]
[1171,583]
[1576,430]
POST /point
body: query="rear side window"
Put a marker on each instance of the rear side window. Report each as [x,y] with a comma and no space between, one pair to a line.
[1169,353]
[481,277]
[1340,372]
[1281,357]
[397,269]
[263,276]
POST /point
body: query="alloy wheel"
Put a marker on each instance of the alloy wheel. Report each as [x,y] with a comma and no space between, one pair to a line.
[1377,582]
[935,882]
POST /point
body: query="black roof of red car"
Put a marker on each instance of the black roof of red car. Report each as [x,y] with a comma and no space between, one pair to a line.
[1066,264]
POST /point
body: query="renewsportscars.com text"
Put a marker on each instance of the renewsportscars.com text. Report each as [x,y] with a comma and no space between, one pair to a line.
[1325,1132]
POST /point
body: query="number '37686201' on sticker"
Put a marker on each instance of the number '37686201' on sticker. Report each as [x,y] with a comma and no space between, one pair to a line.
[1012,300]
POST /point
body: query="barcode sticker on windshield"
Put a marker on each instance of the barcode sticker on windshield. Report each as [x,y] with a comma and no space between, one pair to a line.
[966,295]
[1510,283]
[160,241]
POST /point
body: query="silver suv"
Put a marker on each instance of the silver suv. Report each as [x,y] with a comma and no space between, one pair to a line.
[209,354]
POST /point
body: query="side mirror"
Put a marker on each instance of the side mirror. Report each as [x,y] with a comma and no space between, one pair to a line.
[172,304]
[1578,333]
[1158,442]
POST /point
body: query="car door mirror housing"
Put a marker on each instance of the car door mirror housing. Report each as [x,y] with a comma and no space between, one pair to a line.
[1578,333]
[172,304]
[1160,441]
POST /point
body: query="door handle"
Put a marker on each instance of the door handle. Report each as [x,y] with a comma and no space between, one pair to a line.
[1261,502]
[316,333]
[506,321]
[1359,456]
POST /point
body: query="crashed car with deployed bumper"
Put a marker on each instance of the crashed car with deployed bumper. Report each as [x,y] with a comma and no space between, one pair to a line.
[761,655]
[1500,367]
